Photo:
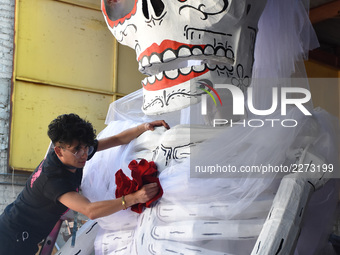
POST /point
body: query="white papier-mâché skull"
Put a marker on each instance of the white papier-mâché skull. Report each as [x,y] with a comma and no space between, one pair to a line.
[180,43]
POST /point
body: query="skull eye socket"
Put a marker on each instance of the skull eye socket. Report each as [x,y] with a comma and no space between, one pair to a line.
[156,5]
[118,9]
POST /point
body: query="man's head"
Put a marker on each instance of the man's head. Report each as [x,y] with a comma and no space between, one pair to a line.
[67,128]
[71,136]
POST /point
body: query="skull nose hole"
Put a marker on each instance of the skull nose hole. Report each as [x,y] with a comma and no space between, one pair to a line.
[248,8]
[156,7]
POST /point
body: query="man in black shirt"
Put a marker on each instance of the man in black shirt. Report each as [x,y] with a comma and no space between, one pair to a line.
[53,186]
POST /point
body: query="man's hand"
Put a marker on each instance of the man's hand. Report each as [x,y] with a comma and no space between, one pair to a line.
[145,194]
[157,123]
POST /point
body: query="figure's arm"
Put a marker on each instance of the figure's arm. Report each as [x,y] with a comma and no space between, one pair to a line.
[128,135]
[81,204]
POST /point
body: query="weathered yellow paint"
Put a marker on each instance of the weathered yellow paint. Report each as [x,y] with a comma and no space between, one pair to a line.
[85,3]
[64,62]
[129,78]
[36,106]
[65,44]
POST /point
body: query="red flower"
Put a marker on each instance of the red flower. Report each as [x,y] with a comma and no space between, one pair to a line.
[142,173]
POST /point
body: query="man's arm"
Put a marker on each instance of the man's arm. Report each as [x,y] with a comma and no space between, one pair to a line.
[81,204]
[128,135]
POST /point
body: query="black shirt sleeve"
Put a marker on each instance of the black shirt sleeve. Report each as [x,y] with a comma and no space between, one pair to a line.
[55,187]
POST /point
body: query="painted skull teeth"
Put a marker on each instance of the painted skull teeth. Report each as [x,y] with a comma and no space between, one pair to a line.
[176,76]
[170,58]
[179,43]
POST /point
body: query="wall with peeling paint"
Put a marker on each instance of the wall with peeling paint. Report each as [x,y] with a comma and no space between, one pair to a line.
[10,185]
[6,60]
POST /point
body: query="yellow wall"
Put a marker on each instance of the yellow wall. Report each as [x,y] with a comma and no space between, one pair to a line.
[65,60]
[129,78]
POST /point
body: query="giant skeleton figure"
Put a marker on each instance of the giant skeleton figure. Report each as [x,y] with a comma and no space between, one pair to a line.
[185,47]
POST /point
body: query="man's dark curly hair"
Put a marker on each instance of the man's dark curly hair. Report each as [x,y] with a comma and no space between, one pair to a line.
[67,128]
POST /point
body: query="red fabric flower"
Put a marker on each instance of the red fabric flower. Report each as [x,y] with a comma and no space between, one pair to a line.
[142,173]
